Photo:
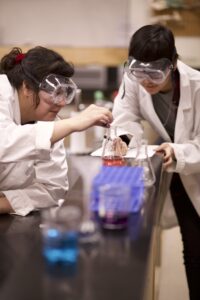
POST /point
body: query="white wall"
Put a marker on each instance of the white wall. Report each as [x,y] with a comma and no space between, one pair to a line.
[64,22]
[187,47]
[79,23]
[189,50]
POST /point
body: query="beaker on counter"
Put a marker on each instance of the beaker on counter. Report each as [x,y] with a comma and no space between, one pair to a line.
[114,205]
[112,152]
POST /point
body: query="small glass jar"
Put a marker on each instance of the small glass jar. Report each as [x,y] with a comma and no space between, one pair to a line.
[114,205]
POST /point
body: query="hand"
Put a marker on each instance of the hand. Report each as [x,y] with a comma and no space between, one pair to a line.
[5,206]
[92,115]
[120,147]
[168,154]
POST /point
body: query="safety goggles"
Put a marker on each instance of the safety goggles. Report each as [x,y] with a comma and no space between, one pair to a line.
[155,71]
[59,88]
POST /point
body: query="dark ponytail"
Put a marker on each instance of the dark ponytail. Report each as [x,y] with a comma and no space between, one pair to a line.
[12,68]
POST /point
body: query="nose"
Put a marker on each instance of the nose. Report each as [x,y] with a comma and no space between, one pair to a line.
[146,81]
[61,103]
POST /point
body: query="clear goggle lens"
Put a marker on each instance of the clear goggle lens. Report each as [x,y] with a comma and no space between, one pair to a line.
[59,88]
[155,71]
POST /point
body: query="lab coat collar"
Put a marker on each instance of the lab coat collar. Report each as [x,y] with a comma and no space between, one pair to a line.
[185,91]
[184,104]
[16,109]
[150,115]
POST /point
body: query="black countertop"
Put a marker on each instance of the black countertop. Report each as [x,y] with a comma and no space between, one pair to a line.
[115,268]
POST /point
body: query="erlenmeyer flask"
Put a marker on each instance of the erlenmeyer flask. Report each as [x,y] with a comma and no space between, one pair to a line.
[145,162]
[112,153]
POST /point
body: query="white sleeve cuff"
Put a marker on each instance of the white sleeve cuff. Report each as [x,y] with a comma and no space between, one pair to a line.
[179,155]
[19,202]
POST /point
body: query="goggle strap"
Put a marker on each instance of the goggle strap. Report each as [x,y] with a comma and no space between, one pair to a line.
[27,74]
[50,83]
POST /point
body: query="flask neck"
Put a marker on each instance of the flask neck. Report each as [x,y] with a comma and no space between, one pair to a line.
[112,132]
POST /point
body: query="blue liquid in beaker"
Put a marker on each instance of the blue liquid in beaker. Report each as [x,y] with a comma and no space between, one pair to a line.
[60,247]
[114,220]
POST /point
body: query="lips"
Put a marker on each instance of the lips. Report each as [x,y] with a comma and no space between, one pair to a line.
[150,86]
[54,112]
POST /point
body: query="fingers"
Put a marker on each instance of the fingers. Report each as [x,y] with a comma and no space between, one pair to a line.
[124,147]
[101,115]
[120,147]
[167,163]
[168,154]
[104,121]
[92,115]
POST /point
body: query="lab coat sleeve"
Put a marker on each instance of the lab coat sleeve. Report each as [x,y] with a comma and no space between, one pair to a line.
[187,152]
[187,157]
[25,142]
[48,188]
[20,142]
[126,110]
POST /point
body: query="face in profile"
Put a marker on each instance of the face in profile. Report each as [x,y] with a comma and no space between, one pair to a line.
[54,93]
[154,76]
[47,110]
[44,110]
[153,88]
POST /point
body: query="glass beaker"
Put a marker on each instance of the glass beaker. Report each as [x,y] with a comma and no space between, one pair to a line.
[144,161]
[112,153]
[114,205]
[60,235]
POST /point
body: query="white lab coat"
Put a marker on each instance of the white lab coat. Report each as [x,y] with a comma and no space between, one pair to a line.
[33,174]
[137,105]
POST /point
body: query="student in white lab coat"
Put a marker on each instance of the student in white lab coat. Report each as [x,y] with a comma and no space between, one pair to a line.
[34,86]
[161,89]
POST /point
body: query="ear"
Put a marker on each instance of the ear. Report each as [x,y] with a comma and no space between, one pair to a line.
[175,65]
[26,90]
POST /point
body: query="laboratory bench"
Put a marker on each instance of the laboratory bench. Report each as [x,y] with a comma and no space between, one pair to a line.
[119,265]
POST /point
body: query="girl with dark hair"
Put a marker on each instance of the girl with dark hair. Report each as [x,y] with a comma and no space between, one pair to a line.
[34,86]
[161,89]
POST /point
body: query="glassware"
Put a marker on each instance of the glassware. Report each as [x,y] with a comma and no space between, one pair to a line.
[89,233]
[114,205]
[60,229]
[144,161]
[111,153]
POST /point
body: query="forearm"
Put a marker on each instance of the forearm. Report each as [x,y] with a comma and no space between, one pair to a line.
[5,206]
[62,128]
[93,115]
[29,199]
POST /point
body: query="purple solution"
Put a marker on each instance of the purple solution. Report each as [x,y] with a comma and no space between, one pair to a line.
[116,220]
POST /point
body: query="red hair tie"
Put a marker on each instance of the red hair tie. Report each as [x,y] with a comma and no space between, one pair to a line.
[19,58]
